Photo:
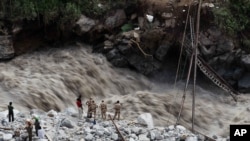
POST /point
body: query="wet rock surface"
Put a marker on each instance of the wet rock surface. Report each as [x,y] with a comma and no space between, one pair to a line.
[60,127]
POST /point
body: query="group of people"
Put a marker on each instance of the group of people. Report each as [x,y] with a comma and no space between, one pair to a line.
[92,108]
[29,126]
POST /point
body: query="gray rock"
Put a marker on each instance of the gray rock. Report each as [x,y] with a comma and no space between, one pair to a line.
[190,138]
[116,20]
[100,132]
[127,130]
[244,83]
[215,137]
[105,123]
[170,23]
[7,137]
[170,139]
[245,60]
[143,137]
[135,130]
[205,41]
[113,54]
[201,137]
[89,137]
[224,46]
[142,131]
[96,127]
[165,15]
[107,132]
[67,123]
[86,130]
[52,113]
[146,119]
[215,32]
[124,49]
[114,136]
[152,135]
[158,135]
[84,24]
[6,47]
[207,51]
[181,128]
[162,51]
[131,139]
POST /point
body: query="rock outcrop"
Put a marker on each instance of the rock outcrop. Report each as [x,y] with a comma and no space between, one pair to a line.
[6,47]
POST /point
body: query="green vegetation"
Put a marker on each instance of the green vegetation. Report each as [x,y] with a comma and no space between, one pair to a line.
[55,11]
[233,16]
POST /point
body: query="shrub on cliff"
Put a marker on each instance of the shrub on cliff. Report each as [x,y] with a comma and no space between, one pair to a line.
[55,11]
[233,16]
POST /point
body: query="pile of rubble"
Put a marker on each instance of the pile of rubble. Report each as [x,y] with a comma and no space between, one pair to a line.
[66,126]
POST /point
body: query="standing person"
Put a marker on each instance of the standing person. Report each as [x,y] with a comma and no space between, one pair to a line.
[117,110]
[103,107]
[37,125]
[11,112]
[41,133]
[79,105]
[29,130]
[88,103]
[93,108]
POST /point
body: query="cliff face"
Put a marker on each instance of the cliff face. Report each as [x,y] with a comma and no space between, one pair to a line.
[147,38]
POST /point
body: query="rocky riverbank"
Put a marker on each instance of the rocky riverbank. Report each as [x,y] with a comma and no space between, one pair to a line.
[144,37]
[66,126]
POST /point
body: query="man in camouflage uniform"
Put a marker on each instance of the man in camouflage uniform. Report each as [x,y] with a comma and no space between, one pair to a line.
[93,108]
[103,107]
[88,103]
[117,110]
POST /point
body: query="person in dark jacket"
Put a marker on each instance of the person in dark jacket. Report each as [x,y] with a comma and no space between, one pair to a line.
[11,112]
[37,125]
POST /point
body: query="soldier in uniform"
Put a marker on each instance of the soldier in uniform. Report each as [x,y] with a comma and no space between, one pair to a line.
[103,107]
[93,108]
[117,110]
[88,103]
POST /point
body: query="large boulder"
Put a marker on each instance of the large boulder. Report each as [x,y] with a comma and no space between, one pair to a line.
[6,47]
[116,58]
[224,45]
[244,83]
[145,65]
[146,119]
[162,51]
[7,137]
[67,123]
[214,33]
[84,24]
[245,60]
[116,20]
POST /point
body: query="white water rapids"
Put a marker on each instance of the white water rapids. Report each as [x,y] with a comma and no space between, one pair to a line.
[52,79]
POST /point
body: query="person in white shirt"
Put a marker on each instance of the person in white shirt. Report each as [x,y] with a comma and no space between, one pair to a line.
[41,133]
